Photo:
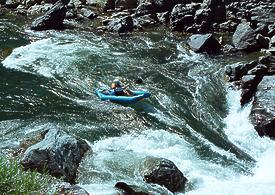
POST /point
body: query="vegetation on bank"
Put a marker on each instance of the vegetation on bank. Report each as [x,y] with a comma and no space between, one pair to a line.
[14,180]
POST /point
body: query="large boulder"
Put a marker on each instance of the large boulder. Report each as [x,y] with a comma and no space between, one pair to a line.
[68,189]
[53,19]
[263,111]
[58,154]
[163,172]
[121,25]
[244,38]
[204,43]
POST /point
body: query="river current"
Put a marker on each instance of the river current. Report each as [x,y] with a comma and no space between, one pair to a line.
[193,117]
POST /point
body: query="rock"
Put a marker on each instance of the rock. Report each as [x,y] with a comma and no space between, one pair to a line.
[164,17]
[129,190]
[12,3]
[38,9]
[109,4]
[244,38]
[121,25]
[228,26]
[262,41]
[165,5]
[217,10]
[126,4]
[262,114]
[178,17]
[237,71]
[145,9]
[204,43]
[58,154]
[262,29]
[269,62]
[272,42]
[163,172]
[183,23]
[53,19]
[146,20]
[249,86]
[88,13]
[203,15]
[68,189]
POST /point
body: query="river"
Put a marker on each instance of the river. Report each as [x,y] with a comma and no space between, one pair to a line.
[193,117]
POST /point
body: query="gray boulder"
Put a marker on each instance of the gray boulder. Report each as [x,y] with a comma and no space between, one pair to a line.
[272,42]
[53,19]
[244,38]
[67,189]
[58,154]
[163,172]
[121,25]
[204,43]
[12,3]
[263,111]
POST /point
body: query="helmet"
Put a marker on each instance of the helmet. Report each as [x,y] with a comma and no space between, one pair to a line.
[117,82]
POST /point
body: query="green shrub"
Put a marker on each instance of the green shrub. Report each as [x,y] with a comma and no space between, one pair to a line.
[14,180]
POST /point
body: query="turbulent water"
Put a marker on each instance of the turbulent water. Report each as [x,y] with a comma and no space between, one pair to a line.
[192,118]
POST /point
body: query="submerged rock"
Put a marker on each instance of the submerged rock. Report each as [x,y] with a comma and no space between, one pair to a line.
[163,172]
[53,19]
[129,189]
[58,154]
[263,110]
[204,43]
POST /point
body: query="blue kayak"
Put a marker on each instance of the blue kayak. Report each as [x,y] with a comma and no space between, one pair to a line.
[110,95]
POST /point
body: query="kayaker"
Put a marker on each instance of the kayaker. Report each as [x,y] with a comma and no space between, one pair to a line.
[120,89]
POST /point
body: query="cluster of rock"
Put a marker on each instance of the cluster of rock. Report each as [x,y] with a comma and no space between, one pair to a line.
[257,82]
[60,154]
[251,21]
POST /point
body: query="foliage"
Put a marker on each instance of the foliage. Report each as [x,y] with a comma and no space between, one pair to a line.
[14,180]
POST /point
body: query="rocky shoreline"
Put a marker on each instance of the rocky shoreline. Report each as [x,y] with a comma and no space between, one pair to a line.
[253,28]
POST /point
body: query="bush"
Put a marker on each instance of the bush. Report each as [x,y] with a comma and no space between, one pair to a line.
[14,180]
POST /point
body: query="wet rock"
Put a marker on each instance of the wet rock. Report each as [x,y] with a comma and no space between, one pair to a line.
[163,172]
[53,19]
[263,111]
[130,189]
[203,15]
[237,71]
[68,189]
[204,43]
[249,86]
[244,38]
[58,154]
[121,25]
